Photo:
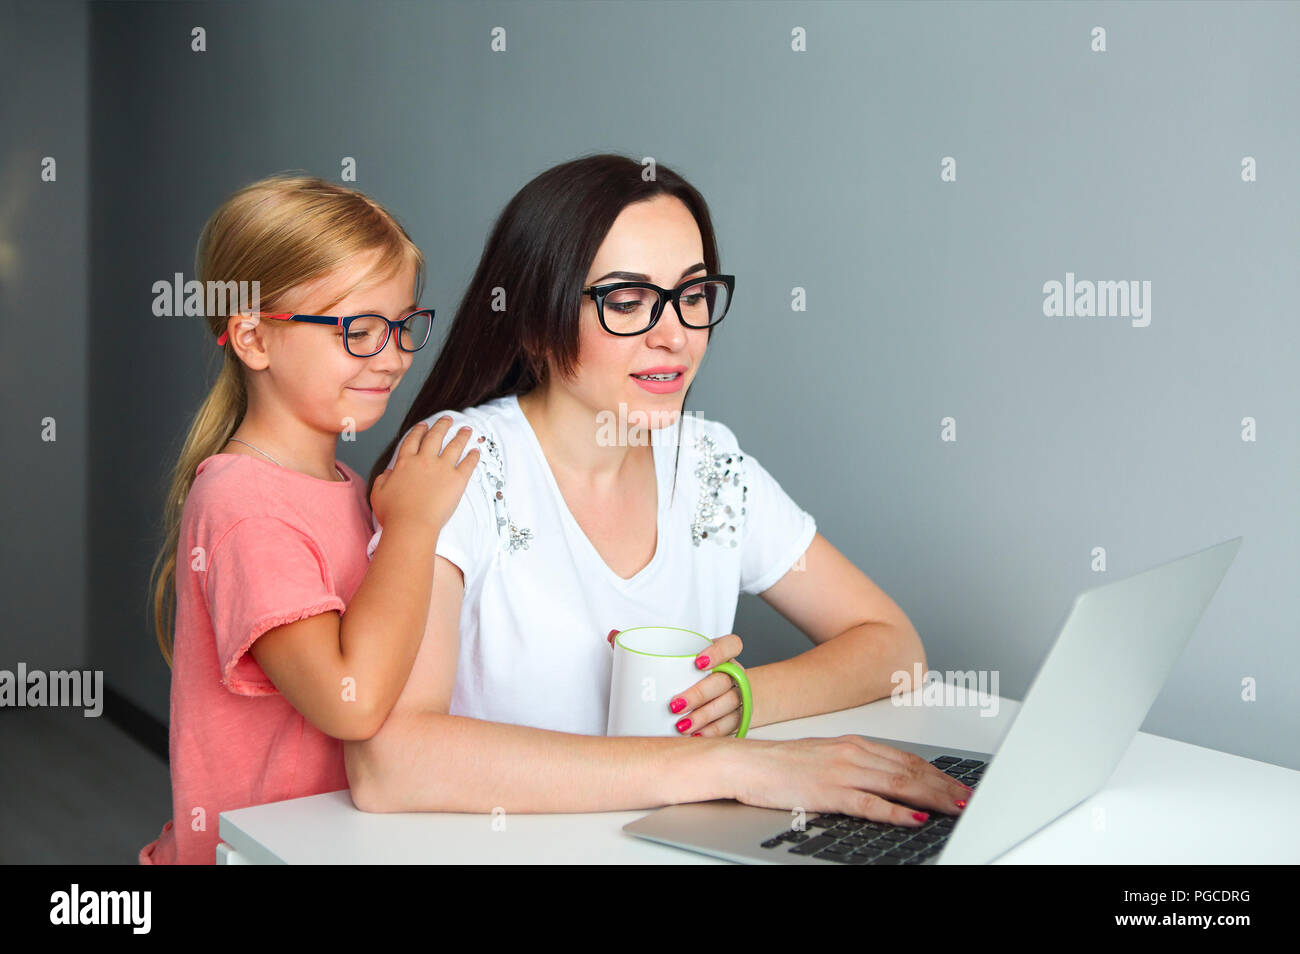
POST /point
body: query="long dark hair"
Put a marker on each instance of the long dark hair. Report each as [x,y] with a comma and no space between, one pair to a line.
[539,252]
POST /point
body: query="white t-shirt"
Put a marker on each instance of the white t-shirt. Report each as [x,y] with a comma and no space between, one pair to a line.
[539,601]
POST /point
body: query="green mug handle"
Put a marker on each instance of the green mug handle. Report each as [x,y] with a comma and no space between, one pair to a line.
[746,697]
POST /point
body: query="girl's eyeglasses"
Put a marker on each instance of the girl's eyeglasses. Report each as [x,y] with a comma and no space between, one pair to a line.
[367,335]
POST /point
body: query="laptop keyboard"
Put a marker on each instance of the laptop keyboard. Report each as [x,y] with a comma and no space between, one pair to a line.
[857,841]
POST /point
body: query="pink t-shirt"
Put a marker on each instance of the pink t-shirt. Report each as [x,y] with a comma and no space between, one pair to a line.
[260,546]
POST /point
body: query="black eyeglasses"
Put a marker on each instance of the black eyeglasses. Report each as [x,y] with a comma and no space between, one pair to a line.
[633,308]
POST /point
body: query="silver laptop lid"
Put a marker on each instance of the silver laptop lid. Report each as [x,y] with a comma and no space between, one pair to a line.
[1089,699]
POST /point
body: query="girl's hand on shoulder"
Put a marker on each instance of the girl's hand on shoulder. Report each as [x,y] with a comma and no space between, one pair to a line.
[425,483]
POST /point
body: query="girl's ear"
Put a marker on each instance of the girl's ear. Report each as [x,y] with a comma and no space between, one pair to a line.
[247,339]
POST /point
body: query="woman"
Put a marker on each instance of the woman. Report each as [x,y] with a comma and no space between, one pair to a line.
[569,530]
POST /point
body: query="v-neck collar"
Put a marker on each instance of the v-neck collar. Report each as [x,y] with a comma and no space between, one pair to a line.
[572,523]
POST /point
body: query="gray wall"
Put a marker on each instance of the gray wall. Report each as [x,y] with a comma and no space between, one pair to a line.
[44,95]
[822,169]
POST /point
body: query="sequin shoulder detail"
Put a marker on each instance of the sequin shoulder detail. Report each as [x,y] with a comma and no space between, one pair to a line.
[720,507]
[494,475]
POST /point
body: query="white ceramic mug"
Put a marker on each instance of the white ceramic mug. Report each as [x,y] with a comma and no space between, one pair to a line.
[652,664]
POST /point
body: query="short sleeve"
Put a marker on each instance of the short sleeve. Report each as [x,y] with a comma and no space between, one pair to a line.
[464,539]
[777,531]
[261,574]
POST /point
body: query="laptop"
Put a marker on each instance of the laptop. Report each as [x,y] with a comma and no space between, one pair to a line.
[1111,658]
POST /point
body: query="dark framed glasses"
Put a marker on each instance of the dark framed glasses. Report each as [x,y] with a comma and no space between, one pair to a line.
[367,335]
[633,308]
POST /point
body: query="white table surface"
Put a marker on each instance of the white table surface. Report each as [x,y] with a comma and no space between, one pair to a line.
[1167,802]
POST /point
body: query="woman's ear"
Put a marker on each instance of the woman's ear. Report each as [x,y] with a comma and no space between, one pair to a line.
[249,341]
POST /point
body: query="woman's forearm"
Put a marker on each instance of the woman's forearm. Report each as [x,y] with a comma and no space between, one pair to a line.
[428,761]
[852,669]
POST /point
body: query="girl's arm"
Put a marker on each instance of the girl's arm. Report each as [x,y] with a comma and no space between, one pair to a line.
[424,759]
[344,674]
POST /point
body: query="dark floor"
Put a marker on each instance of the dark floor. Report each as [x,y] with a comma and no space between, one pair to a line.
[75,790]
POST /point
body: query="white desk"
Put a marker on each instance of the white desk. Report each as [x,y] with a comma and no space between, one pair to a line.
[1166,803]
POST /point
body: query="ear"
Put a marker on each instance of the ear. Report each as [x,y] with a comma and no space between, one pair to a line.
[246,336]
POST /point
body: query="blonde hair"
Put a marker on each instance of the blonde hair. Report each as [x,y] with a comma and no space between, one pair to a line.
[280,231]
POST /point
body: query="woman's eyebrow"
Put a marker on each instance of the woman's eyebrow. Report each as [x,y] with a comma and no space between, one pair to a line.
[638,277]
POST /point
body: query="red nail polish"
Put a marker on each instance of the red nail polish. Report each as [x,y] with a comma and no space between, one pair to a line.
[694,733]
[920,816]
[610,638]
[683,725]
[960,804]
[678,705]
[702,662]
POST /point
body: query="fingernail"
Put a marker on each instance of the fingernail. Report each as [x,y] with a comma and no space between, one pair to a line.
[694,733]
[677,705]
[701,662]
[610,638]
[960,804]
[920,816]
[683,725]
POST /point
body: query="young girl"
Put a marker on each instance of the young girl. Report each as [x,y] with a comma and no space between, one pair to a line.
[286,641]
[570,529]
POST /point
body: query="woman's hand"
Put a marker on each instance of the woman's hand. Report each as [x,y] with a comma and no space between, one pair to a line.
[712,705]
[847,774]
